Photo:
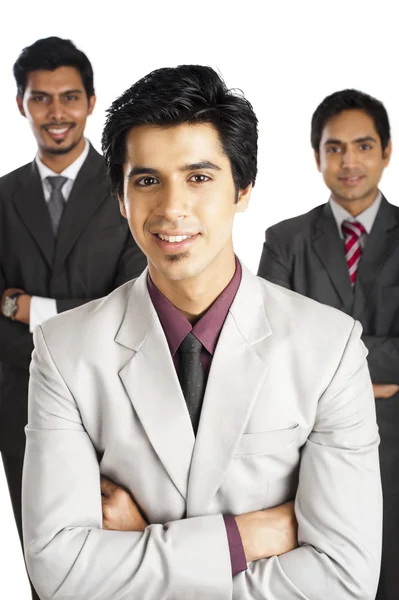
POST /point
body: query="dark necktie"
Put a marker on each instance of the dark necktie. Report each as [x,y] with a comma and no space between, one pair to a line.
[352,231]
[56,202]
[192,377]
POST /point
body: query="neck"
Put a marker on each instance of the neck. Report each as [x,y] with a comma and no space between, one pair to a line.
[193,296]
[357,206]
[59,162]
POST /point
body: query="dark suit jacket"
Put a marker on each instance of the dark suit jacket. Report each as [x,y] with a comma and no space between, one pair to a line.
[306,254]
[94,253]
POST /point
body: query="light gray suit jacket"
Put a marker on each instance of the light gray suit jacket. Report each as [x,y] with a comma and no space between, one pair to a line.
[288,413]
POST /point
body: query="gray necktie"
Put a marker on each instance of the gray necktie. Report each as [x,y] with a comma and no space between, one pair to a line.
[56,202]
[192,377]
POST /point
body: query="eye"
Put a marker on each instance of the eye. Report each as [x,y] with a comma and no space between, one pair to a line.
[365,147]
[71,98]
[333,150]
[200,178]
[39,98]
[146,181]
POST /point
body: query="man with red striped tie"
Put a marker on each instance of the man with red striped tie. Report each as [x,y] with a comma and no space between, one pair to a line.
[345,253]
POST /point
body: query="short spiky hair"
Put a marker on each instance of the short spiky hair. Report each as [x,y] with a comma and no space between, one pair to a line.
[48,54]
[184,94]
[350,100]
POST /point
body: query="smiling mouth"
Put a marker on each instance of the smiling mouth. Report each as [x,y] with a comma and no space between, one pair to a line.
[58,132]
[352,180]
[172,239]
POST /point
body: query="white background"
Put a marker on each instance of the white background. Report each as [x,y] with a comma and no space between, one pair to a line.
[285,55]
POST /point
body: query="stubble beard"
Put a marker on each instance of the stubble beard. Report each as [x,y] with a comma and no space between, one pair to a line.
[60,151]
[175,258]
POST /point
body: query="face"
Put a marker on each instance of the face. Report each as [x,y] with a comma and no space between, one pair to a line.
[179,199]
[56,106]
[351,157]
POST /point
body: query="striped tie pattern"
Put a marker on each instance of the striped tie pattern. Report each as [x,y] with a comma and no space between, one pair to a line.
[353,231]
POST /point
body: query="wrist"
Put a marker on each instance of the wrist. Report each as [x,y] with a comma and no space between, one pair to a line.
[9,306]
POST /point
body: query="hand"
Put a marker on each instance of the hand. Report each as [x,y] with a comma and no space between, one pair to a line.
[385,390]
[23,309]
[268,532]
[120,512]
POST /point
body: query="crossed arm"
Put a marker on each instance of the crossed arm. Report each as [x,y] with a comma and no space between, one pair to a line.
[264,533]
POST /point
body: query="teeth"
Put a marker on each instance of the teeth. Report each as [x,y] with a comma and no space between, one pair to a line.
[173,238]
[58,130]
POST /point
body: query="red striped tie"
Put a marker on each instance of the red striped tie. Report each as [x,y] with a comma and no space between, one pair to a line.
[353,231]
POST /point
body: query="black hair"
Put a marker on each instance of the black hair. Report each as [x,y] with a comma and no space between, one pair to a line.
[184,94]
[48,54]
[350,100]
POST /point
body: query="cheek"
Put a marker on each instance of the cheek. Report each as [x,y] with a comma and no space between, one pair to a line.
[79,116]
[136,216]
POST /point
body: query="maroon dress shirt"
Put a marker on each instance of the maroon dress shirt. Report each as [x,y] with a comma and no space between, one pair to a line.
[207,331]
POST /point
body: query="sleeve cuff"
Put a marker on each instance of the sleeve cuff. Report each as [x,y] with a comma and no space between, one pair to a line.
[237,554]
[41,309]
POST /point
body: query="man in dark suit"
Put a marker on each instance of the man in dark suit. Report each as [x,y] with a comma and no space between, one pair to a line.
[63,241]
[346,254]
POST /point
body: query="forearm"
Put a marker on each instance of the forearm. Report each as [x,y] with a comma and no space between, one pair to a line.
[67,560]
[383,358]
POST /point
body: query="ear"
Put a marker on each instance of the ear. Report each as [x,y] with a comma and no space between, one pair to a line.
[20,105]
[92,103]
[387,153]
[317,159]
[122,207]
[243,199]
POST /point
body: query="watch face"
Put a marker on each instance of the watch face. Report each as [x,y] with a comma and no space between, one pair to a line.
[9,306]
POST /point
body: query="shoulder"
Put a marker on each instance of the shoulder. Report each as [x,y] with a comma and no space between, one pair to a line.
[10,180]
[303,318]
[85,327]
[299,225]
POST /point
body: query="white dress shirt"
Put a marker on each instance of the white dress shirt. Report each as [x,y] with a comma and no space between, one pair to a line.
[366,218]
[42,309]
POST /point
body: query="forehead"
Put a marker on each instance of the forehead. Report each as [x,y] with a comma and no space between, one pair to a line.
[349,125]
[55,82]
[168,147]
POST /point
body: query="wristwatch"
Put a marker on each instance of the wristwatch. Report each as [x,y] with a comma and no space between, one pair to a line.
[10,305]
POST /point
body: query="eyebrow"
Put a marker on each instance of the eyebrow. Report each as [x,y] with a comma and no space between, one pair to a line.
[142,170]
[41,92]
[367,138]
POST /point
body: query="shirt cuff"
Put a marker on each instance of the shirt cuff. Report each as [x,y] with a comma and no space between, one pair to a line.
[41,309]
[237,554]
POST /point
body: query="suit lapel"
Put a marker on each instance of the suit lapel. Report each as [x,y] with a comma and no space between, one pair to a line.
[87,195]
[331,251]
[152,385]
[235,378]
[381,241]
[31,206]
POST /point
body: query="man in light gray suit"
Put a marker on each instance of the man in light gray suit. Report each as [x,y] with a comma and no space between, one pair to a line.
[346,254]
[249,455]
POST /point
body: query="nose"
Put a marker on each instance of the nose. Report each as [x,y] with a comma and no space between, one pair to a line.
[349,157]
[173,202]
[56,110]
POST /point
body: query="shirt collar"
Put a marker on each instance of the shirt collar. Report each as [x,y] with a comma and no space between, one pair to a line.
[71,172]
[366,218]
[209,326]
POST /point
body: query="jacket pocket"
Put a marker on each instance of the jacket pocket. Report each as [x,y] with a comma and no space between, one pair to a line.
[267,442]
